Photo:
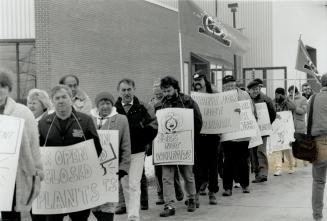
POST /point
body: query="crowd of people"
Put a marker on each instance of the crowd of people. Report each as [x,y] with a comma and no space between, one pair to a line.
[66,117]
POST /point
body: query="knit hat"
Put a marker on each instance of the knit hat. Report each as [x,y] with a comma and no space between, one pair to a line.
[40,95]
[228,78]
[104,96]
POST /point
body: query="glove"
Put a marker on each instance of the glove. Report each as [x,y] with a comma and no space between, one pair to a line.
[121,174]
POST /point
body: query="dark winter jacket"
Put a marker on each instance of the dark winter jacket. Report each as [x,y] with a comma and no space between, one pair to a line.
[183,101]
[143,125]
[286,105]
[72,134]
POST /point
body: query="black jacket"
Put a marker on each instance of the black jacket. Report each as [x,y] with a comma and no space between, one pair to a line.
[183,101]
[72,133]
[143,125]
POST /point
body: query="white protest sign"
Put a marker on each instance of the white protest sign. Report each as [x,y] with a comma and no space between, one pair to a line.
[248,123]
[109,162]
[73,179]
[263,119]
[217,111]
[283,131]
[174,144]
[257,139]
[11,131]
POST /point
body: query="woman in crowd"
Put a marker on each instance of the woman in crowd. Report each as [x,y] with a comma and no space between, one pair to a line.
[105,117]
[38,102]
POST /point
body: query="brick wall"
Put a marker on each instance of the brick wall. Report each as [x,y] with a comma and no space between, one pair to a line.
[104,41]
[42,44]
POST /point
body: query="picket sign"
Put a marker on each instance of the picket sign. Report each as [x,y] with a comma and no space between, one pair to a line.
[11,131]
[263,119]
[283,131]
[73,180]
[248,123]
[174,144]
[218,111]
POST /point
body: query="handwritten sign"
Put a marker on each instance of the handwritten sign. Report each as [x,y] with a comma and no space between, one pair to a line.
[257,139]
[109,162]
[283,131]
[11,131]
[263,119]
[217,111]
[73,180]
[174,144]
[248,123]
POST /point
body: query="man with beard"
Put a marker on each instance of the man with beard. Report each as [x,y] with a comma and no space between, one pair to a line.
[282,103]
[157,96]
[143,127]
[206,160]
[173,98]
[259,155]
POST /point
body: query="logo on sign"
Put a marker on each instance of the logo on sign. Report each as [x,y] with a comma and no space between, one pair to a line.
[214,29]
[172,122]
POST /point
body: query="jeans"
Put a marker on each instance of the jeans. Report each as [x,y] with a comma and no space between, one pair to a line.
[236,164]
[260,160]
[177,183]
[168,173]
[319,170]
[131,186]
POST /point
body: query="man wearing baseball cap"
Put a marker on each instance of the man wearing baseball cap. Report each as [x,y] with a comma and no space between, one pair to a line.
[236,152]
[206,151]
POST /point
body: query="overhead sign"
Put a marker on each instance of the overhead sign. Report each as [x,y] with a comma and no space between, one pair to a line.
[213,34]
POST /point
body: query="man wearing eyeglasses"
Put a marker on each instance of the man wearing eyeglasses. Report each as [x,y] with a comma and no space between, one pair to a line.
[81,101]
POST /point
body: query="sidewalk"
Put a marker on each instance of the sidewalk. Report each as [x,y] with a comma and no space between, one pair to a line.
[284,198]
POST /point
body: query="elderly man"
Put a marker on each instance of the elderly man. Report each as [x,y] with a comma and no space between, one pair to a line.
[143,127]
[66,127]
[259,155]
[81,101]
[319,131]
